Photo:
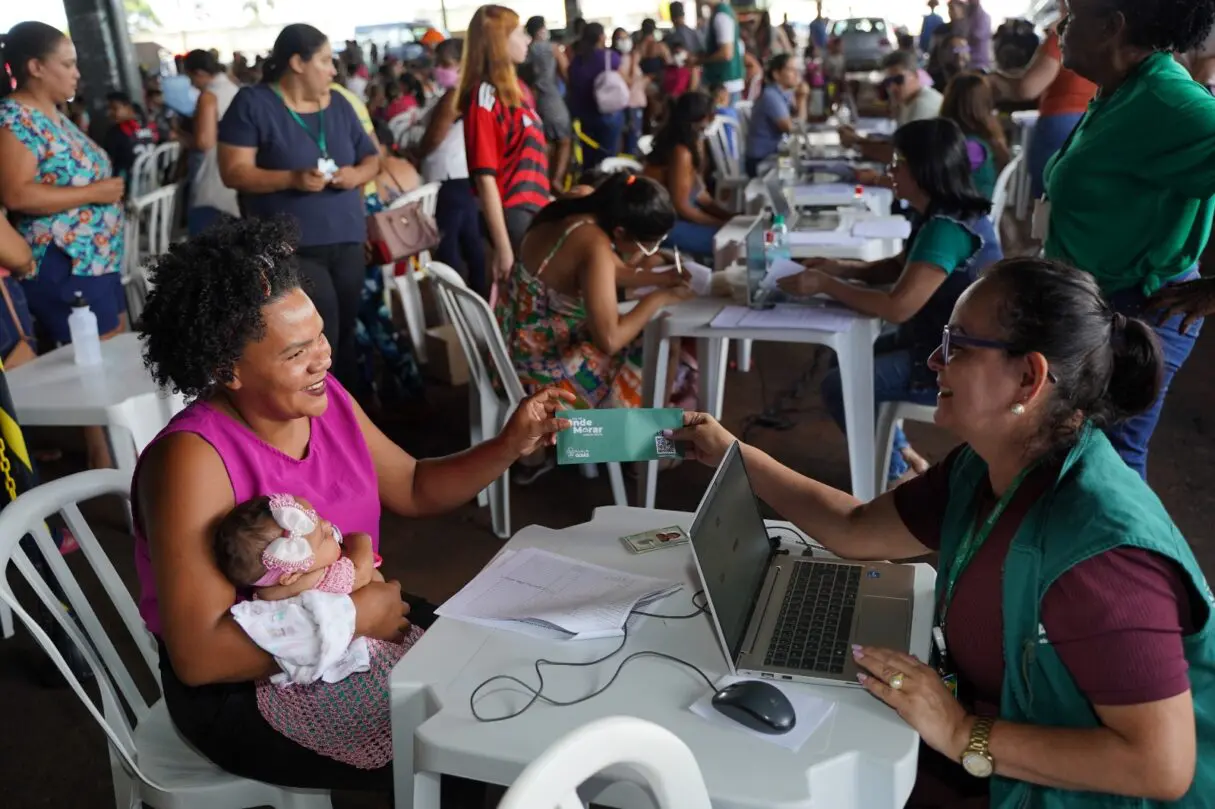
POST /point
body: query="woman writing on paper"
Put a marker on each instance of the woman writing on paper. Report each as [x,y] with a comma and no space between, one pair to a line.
[561,320]
[952,240]
[1071,613]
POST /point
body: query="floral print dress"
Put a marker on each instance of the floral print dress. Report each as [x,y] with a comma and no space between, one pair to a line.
[549,340]
[91,235]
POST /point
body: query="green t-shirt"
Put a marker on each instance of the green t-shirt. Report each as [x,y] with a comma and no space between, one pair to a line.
[1130,196]
[943,243]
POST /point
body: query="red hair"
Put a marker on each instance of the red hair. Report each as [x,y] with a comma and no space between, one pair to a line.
[487,57]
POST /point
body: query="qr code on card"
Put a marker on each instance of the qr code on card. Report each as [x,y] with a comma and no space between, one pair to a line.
[665,447]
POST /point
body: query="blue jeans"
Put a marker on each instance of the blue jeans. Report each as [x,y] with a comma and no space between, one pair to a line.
[692,238]
[1047,138]
[604,130]
[462,244]
[633,119]
[1131,437]
[891,383]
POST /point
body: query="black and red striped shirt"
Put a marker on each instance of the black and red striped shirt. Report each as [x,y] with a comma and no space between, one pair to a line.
[508,142]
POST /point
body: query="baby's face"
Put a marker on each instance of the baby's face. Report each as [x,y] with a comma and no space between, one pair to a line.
[323,540]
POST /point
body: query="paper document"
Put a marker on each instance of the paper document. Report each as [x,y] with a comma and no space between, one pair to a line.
[536,587]
[781,268]
[882,227]
[618,435]
[831,238]
[810,709]
[786,316]
[825,194]
[699,276]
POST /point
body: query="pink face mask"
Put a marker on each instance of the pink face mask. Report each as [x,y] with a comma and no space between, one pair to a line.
[447,77]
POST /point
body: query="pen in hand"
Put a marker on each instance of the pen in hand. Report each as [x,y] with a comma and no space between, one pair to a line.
[678,263]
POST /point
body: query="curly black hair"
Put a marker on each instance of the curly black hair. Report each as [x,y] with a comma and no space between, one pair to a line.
[241,537]
[207,297]
[1167,25]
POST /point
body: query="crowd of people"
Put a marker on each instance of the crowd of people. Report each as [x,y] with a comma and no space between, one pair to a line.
[1051,369]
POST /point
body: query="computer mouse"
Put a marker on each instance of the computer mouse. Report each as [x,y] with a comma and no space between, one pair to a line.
[757,705]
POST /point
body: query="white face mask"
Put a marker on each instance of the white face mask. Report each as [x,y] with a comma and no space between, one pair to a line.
[624,45]
[680,59]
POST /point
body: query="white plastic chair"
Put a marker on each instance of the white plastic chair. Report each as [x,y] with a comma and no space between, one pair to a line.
[149,761]
[149,228]
[489,408]
[731,179]
[646,754]
[167,155]
[889,416]
[145,174]
[999,197]
[621,164]
[407,284]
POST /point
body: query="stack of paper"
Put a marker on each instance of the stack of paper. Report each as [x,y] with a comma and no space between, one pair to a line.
[699,276]
[787,316]
[547,595]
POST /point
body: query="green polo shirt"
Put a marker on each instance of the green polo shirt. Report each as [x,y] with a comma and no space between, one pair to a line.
[1130,196]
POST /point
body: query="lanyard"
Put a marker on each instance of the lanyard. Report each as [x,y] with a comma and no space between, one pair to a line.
[321,142]
[975,537]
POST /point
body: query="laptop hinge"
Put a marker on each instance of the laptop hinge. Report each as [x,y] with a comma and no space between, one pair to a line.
[757,620]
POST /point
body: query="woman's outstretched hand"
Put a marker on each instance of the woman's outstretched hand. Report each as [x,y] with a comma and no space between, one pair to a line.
[535,422]
[704,439]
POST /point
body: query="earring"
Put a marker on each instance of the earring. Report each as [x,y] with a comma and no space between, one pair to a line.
[1018,409]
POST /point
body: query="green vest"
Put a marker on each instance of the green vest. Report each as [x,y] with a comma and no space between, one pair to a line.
[732,68]
[1097,504]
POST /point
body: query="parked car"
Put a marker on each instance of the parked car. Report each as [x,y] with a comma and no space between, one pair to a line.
[866,40]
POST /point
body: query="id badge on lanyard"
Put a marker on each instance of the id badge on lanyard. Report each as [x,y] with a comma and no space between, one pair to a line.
[940,660]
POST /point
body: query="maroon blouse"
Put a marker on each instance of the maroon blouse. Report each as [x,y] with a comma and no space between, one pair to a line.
[1116,620]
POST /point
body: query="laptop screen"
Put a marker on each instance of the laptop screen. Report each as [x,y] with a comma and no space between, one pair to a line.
[732,550]
[778,198]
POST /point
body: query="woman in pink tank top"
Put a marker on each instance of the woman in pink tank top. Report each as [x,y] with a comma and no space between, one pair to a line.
[228,325]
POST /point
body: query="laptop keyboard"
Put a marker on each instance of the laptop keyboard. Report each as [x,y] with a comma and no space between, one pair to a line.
[815,621]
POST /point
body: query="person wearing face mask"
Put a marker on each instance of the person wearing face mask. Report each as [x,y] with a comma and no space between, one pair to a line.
[547,65]
[676,161]
[678,76]
[631,69]
[561,321]
[442,159]
[290,146]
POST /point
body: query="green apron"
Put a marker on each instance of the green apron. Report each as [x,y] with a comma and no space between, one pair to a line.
[1096,504]
[731,69]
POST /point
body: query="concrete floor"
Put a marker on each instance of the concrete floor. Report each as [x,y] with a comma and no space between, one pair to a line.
[52,754]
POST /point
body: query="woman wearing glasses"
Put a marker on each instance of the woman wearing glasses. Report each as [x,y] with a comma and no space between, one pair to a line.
[1071,613]
[952,240]
[560,316]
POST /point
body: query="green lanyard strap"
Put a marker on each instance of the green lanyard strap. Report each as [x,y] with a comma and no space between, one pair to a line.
[975,536]
[319,138]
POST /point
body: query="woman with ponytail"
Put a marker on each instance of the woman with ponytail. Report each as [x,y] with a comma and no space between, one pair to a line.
[560,316]
[291,147]
[1073,645]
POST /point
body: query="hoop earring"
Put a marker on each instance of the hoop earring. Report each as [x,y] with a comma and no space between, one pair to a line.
[1018,409]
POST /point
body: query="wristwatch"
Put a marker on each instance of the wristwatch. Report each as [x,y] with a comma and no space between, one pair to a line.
[976,760]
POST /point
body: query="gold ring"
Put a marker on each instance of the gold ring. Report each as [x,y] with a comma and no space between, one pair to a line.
[896,682]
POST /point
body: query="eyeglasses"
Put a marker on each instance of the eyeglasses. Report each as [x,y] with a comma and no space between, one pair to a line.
[950,337]
[896,80]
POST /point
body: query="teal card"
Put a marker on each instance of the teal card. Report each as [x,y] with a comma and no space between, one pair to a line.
[618,434]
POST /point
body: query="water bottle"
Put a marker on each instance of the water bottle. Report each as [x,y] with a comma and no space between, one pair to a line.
[82,325]
[776,241]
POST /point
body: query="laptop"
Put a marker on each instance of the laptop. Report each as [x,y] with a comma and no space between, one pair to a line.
[786,617]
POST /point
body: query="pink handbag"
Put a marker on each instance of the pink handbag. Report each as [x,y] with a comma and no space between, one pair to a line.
[399,233]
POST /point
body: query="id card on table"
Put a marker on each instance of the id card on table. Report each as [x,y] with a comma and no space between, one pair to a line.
[618,435]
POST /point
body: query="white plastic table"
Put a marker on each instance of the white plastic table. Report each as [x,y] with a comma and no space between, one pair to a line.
[53,391]
[864,756]
[854,348]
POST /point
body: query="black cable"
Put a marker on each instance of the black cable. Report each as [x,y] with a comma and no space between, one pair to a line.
[797,535]
[538,693]
[777,413]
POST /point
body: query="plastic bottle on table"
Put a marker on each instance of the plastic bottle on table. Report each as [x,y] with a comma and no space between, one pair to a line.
[82,325]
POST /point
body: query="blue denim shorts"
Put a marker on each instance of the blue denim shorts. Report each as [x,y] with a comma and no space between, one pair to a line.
[51,291]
